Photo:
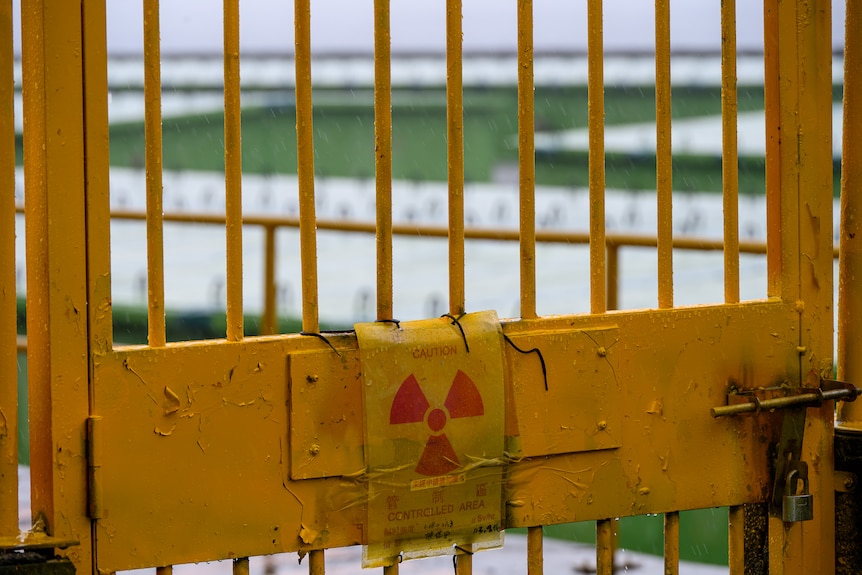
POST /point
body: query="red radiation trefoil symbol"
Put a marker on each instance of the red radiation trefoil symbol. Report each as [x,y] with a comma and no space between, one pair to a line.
[411,406]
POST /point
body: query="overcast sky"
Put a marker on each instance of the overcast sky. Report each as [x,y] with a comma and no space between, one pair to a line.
[419,25]
[346,26]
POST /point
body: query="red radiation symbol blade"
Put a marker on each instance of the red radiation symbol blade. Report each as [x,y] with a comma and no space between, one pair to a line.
[464,399]
[438,458]
[410,404]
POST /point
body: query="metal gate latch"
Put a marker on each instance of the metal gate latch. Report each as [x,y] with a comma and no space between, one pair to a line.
[797,507]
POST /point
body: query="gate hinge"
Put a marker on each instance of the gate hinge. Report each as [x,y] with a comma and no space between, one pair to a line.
[94,467]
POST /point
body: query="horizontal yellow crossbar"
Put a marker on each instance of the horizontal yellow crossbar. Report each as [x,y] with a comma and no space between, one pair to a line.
[502,234]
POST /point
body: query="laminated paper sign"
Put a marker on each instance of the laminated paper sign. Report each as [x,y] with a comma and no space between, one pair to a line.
[434,435]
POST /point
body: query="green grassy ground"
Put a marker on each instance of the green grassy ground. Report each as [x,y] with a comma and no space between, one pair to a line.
[344,135]
[702,534]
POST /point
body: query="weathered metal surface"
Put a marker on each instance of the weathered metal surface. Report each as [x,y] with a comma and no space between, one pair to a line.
[57,294]
[325,414]
[214,437]
[806,184]
[193,452]
[582,367]
[849,415]
[8,334]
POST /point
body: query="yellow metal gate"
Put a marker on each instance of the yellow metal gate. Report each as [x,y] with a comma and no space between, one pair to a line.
[168,453]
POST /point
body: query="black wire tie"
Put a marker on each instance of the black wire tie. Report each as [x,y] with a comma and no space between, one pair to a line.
[455,321]
[323,337]
[535,350]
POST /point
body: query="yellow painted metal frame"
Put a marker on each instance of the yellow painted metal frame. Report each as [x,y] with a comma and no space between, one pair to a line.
[56,230]
[8,335]
[176,453]
[186,434]
[849,415]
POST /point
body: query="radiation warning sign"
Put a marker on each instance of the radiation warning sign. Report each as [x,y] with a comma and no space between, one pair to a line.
[434,435]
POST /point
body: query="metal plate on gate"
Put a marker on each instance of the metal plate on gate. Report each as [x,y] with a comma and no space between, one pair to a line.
[579,410]
[326,425]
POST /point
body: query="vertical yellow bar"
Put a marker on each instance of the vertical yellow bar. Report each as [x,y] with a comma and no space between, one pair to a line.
[772,109]
[729,155]
[305,167]
[596,127]
[663,154]
[815,261]
[153,138]
[780,103]
[804,105]
[233,170]
[8,332]
[391,569]
[777,544]
[785,548]
[383,156]
[786,126]
[527,159]
[97,168]
[535,558]
[464,561]
[167,570]
[316,562]
[736,539]
[671,543]
[455,142]
[240,566]
[850,261]
[604,547]
[98,212]
[36,225]
[57,294]
[268,324]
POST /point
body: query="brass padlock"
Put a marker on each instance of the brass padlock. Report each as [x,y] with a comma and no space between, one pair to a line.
[797,507]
